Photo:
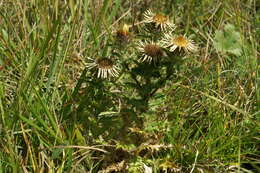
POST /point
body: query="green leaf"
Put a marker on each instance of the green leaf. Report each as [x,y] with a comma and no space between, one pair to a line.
[228,40]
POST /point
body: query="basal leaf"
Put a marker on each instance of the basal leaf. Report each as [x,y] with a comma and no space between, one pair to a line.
[228,40]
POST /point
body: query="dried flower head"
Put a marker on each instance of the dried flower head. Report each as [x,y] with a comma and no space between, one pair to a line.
[158,19]
[123,33]
[151,51]
[105,67]
[181,42]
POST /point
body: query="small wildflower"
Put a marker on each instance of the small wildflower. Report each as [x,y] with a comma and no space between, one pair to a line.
[151,51]
[123,33]
[105,67]
[158,19]
[181,42]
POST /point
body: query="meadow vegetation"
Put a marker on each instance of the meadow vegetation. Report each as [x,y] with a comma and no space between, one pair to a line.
[129,86]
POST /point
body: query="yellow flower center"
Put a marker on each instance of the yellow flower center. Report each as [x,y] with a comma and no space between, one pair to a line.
[180,41]
[159,19]
[152,50]
[104,63]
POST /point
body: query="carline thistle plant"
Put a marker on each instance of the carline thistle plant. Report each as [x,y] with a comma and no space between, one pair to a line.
[151,50]
[147,60]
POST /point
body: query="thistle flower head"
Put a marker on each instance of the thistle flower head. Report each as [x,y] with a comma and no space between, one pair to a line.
[105,67]
[123,33]
[159,20]
[151,51]
[181,42]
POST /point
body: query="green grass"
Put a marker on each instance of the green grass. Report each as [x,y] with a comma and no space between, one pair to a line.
[198,113]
